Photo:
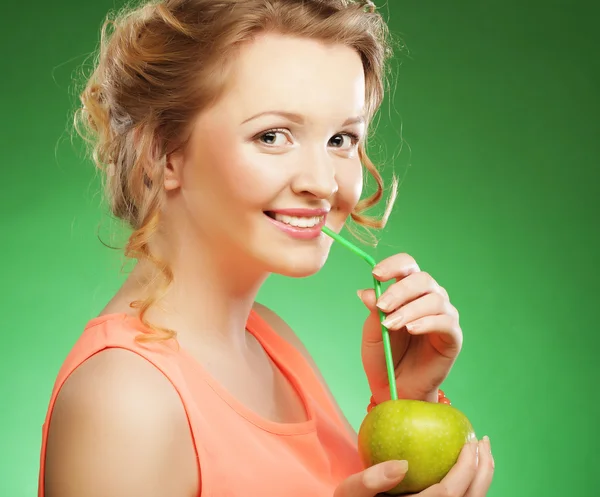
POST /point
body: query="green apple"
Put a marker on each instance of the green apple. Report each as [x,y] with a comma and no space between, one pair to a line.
[428,435]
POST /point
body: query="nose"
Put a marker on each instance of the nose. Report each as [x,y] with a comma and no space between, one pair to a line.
[316,176]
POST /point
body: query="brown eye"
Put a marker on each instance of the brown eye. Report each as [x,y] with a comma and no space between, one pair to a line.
[269,138]
[338,141]
[273,138]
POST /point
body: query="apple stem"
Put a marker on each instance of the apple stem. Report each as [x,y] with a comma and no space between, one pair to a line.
[387,348]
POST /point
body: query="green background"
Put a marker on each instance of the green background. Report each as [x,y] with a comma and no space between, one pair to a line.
[498,104]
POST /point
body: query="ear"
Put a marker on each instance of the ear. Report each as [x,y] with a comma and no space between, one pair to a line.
[173,165]
[170,165]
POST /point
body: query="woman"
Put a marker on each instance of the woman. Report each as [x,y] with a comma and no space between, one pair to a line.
[230,132]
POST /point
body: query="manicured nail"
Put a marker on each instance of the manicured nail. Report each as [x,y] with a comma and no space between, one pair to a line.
[389,321]
[395,469]
[486,439]
[359,293]
[384,302]
[412,327]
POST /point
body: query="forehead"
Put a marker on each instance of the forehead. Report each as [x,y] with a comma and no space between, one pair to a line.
[298,75]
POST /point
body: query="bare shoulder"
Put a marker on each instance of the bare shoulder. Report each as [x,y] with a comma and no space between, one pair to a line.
[280,326]
[284,330]
[118,428]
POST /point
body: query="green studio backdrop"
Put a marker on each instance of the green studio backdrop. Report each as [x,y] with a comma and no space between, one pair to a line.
[492,126]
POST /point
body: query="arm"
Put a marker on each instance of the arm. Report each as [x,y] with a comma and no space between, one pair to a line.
[281,327]
[118,428]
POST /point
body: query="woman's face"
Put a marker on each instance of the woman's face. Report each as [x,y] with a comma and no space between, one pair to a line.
[276,157]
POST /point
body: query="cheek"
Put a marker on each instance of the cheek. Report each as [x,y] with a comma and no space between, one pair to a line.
[251,178]
[233,174]
[350,184]
[218,169]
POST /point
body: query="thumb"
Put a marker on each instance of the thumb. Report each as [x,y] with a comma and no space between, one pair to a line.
[374,480]
[368,298]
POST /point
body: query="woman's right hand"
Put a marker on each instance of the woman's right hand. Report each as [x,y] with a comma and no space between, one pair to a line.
[471,476]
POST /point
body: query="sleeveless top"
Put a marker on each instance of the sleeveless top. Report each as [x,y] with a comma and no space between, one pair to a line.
[270,459]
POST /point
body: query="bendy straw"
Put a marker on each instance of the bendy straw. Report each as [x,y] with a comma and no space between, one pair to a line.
[389,362]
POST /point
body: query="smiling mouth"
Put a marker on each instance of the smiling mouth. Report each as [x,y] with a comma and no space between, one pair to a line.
[296,221]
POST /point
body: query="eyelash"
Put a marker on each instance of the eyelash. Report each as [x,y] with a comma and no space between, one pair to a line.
[353,136]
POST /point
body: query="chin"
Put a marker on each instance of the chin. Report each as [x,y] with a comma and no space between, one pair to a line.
[298,271]
[299,263]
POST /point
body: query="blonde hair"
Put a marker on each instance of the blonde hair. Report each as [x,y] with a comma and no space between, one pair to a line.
[161,62]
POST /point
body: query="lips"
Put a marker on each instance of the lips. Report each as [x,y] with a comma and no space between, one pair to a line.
[300,212]
[299,223]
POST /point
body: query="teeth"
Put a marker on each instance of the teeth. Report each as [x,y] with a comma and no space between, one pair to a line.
[299,222]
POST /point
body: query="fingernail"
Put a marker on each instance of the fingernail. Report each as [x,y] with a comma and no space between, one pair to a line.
[359,293]
[377,272]
[486,439]
[395,469]
[387,322]
[412,327]
[474,447]
[488,444]
[384,302]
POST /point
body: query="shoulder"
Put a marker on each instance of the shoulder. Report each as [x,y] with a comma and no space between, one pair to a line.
[119,428]
[282,329]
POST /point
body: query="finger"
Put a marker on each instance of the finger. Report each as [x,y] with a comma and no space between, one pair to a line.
[372,481]
[459,478]
[418,319]
[485,471]
[368,298]
[396,266]
[402,292]
[443,291]
[431,304]
[446,336]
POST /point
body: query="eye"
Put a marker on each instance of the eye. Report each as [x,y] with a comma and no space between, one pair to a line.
[344,140]
[273,137]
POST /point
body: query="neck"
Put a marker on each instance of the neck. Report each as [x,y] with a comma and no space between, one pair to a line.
[210,297]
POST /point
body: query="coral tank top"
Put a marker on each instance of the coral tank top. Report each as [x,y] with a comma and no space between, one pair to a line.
[271,459]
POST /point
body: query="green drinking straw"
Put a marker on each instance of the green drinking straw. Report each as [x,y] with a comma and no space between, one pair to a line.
[377,284]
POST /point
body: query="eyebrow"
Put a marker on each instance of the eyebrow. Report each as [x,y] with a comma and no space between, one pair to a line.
[299,119]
